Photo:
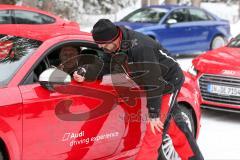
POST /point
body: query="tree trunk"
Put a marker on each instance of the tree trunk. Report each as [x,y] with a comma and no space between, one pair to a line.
[170,1]
[7,2]
[144,3]
[196,3]
[239,9]
[154,2]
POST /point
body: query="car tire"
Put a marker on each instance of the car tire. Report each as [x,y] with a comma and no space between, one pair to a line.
[1,156]
[217,42]
[167,150]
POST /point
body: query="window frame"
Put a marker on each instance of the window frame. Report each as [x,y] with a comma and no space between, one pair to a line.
[81,43]
[187,12]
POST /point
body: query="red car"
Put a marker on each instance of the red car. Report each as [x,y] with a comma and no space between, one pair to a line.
[217,74]
[80,120]
[35,23]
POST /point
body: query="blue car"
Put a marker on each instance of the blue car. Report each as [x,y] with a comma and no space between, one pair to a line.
[180,29]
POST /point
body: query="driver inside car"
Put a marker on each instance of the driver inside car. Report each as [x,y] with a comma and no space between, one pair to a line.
[80,64]
[68,57]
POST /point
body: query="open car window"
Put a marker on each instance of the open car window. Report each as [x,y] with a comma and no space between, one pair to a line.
[66,57]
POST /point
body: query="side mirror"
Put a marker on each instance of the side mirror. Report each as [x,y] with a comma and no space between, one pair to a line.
[53,76]
[171,21]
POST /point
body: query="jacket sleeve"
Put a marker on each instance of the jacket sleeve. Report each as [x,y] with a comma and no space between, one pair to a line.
[106,66]
[147,62]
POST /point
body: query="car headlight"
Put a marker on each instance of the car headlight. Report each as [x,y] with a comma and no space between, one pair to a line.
[192,70]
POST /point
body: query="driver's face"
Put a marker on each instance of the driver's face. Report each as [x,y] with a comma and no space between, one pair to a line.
[68,56]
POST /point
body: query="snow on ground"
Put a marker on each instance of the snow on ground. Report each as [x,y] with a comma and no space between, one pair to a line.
[219,135]
[223,10]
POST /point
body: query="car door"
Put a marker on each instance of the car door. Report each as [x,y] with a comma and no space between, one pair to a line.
[201,25]
[6,23]
[35,24]
[51,131]
[176,37]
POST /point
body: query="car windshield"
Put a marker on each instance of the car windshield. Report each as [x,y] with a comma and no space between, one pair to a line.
[14,51]
[146,15]
[235,43]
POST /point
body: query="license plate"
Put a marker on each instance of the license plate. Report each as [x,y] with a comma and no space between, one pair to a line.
[224,90]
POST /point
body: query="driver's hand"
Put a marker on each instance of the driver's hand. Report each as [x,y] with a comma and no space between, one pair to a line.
[77,77]
[156,124]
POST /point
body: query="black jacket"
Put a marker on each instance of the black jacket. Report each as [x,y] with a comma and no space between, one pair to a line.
[145,54]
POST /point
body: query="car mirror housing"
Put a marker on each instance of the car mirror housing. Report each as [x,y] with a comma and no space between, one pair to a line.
[53,76]
[171,21]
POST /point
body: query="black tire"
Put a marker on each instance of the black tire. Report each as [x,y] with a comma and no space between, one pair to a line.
[188,116]
[1,156]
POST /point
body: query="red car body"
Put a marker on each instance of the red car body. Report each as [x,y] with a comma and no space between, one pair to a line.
[30,129]
[218,77]
[33,23]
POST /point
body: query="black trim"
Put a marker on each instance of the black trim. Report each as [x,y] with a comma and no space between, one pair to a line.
[13,17]
[217,108]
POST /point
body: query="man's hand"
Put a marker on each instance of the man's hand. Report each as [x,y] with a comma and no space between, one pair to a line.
[77,77]
[155,123]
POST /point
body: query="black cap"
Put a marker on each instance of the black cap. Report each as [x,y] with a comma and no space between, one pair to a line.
[104,31]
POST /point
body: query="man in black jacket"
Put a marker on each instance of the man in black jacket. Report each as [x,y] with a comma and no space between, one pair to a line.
[136,53]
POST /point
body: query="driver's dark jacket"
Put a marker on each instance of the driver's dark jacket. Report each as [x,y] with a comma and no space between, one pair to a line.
[141,48]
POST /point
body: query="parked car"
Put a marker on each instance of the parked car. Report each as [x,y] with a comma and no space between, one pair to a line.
[217,74]
[180,29]
[78,121]
[27,21]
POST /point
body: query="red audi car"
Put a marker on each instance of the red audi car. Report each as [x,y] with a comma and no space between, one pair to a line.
[86,120]
[35,23]
[217,74]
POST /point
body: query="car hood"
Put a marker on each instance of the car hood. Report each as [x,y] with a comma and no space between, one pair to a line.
[218,59]
[133,25]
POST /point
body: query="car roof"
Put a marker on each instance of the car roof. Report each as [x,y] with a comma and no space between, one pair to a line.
[50,36]
[15,7]
[169,6]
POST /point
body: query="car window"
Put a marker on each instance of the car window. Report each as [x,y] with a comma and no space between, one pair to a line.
[180,15]
[5,17]
[27,17]
[67,57]
[146,15]
[14,51]
[198,15]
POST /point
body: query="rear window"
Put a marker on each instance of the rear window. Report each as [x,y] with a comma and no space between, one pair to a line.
[14,51]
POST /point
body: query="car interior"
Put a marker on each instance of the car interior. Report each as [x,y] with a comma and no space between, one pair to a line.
[52,60]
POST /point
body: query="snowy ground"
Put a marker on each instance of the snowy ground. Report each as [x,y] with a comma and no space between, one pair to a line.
[219,135]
